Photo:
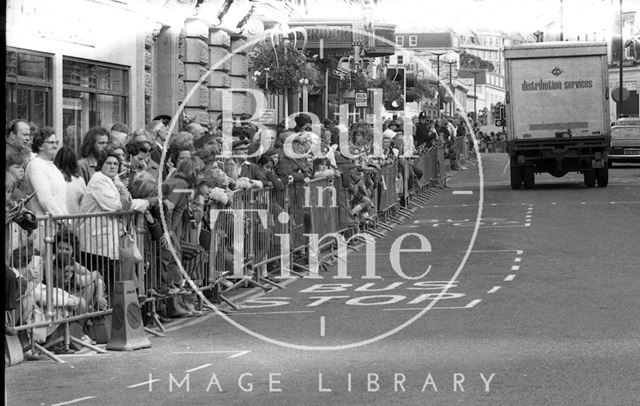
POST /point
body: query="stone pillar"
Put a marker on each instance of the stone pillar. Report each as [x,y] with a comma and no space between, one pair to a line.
[219,48]
[149,51]
[169,72]
[238,74]
[196,64]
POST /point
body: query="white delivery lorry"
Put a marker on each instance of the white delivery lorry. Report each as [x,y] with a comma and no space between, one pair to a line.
[557,111]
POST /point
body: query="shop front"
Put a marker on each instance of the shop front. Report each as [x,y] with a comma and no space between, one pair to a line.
[74,71]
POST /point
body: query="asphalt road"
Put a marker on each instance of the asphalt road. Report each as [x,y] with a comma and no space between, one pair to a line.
[527,297]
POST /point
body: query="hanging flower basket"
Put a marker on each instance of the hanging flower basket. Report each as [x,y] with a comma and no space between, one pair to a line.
[279,67]
[357,81]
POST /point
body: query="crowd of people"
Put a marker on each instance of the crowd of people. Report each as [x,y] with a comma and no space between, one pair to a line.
[118,169]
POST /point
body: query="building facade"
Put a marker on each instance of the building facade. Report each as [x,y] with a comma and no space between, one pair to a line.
[73,71]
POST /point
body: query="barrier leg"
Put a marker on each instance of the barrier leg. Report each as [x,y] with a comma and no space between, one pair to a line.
[298,274]
[87,345]
[153,332]
[52,343]
[385,226]
[156,319]
[375,233]
[303,268]
[229,302]
[46,352]
[270,282]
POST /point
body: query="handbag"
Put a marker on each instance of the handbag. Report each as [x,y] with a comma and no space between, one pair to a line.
[129,249]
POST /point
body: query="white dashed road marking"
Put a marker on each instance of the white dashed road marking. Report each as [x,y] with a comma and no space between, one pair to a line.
[149,382]
[74,401]
[494,289]
[467,306]
[509,278]
[198,368]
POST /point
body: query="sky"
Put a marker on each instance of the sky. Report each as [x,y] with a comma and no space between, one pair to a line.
[525,16]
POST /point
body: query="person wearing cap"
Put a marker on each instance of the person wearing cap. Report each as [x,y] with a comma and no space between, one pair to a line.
[164,118]
[423,131]
[245,173]
[303,123]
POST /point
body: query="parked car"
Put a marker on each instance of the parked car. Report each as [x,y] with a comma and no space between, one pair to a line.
[625,141]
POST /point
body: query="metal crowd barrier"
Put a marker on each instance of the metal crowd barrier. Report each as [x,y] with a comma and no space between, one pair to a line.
[427,163]
[387,192]
[68,268]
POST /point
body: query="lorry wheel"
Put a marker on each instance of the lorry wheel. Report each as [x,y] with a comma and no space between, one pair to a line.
[528,177]
[602,177]
[516,177]
[589,178]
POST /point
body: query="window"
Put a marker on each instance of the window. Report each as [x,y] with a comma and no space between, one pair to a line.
[386,60]
[94,94]
[400,59]
[28,93]
[399,40]
[413,40]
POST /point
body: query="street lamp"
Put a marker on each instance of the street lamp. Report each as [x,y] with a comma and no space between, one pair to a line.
[450,63]
[475,96]
[438,55]
[619,106]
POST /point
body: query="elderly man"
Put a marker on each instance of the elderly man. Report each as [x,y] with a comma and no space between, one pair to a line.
[239,167]
[157,135]
[17,139]
[118,135]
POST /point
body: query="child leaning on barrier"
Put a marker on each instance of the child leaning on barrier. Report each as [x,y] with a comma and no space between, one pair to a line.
[27,266]
[76,280]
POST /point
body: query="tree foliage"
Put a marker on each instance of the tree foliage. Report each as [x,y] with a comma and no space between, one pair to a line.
[469,61]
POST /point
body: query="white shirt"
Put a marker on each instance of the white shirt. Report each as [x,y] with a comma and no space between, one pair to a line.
[44,178]
[75,191]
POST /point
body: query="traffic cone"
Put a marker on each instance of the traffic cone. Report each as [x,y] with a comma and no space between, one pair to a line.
[127,328]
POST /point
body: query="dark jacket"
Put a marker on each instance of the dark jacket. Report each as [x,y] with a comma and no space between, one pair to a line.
[298,168]
[424,135]
[174,190]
